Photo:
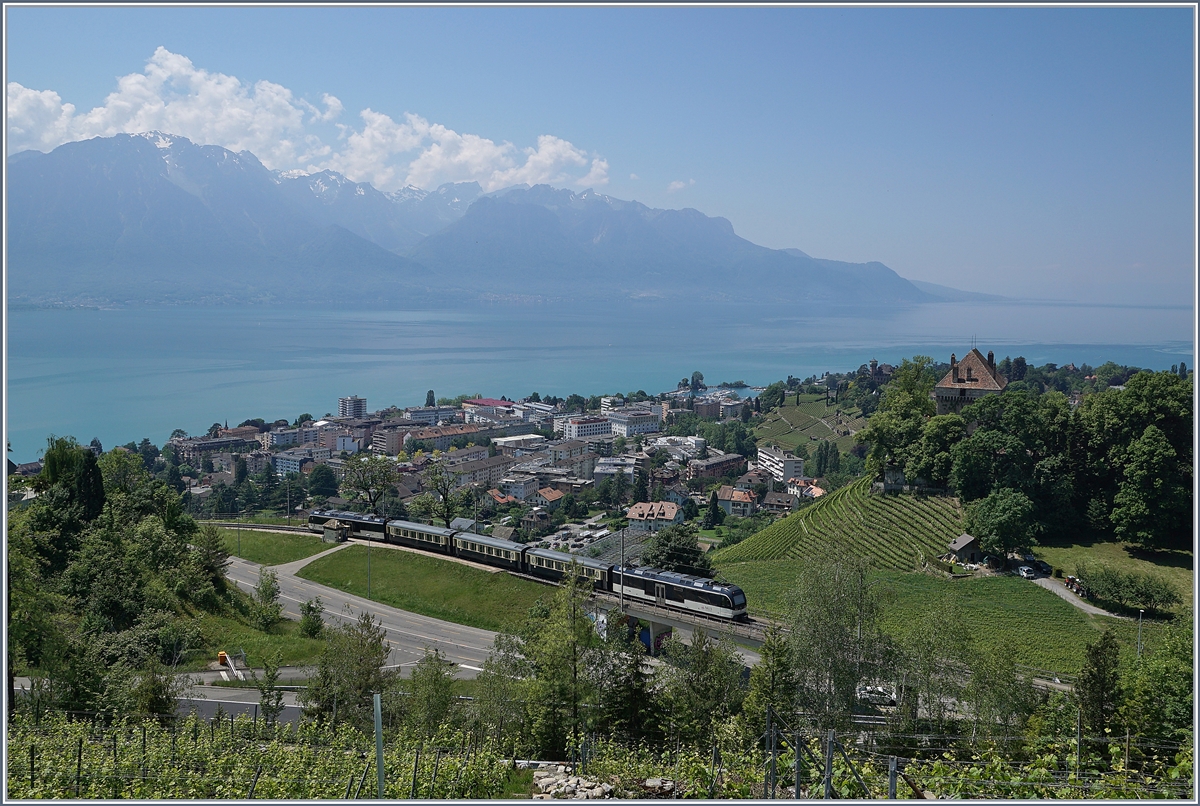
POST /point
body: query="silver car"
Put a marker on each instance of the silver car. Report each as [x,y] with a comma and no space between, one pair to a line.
[1026,572]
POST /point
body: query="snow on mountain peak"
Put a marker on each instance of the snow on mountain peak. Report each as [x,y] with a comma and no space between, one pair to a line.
[159,139]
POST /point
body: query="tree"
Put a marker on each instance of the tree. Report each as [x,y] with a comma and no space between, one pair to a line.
[430,690]
[931,458]
[1153,505]
[311,623]
[697,382]
[369,477]
[640,484]
[1017,369]
[1098,688]
[208,545]
[674,548]
[239,470]
[772,396]
[701,685]
[266,610]
[835,640]
[625,684]
[560,643]
[349,671]
[1159,688]
[322,481]
[270,696]
[179,433]
[713,515]
[773,684]
[214,430]
[430,399]
[746,412]
[442,500]
[1003,522]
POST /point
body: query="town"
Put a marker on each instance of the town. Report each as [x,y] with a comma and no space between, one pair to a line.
[752,514]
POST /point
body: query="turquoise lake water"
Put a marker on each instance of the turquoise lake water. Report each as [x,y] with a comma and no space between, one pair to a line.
[122,375]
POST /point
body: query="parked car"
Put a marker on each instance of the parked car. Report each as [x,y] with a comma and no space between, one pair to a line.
[1026,572]
[1043,566]
[1029,558]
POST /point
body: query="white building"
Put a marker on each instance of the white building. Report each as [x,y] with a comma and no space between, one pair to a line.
[353,406]
[579,427]
[780,464]
[520,487]
[609,466]
[629,422]
[430,415]
[280,438]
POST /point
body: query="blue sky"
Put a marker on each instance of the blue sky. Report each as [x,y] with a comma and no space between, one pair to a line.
[1029,152]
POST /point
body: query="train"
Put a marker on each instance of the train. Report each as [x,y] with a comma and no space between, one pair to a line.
[693,594]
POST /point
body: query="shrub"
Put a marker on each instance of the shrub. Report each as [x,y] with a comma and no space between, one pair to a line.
[311,622]
[1127,588]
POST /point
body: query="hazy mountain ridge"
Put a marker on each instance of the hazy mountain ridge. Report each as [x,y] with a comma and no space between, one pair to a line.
[155,217]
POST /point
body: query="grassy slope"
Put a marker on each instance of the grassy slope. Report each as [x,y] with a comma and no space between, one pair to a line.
[430,586]
[1175,566]
[790,425]
[272,548]
[1039,628]
[891,530]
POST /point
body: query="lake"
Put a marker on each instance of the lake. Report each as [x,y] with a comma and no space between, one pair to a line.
[125,374]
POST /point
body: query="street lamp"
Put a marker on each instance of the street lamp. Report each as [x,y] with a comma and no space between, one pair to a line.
[1140,632]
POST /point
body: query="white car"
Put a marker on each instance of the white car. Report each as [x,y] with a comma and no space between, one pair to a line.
[1026,572]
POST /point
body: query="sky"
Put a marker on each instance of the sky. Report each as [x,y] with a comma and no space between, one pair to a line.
[1030,152]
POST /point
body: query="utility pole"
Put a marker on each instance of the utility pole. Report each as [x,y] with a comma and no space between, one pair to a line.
[892,778]
[623,574]
[288,482]
[1079,744]
[379,776]
[769,783]
[796,767]
[829,765]
[368,567]
[1140,612]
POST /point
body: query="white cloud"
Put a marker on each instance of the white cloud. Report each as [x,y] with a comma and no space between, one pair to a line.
[285,132]
[634,176]
[679,185]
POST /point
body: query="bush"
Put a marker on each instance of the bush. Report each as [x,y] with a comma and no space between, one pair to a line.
[311,622]
[1127,588]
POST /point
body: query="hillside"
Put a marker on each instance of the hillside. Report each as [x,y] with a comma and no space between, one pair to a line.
[890,530]
[790,425]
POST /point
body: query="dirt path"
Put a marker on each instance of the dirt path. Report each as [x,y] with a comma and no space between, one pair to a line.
[1056,587]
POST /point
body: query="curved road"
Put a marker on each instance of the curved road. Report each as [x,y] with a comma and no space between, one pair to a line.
[408,634]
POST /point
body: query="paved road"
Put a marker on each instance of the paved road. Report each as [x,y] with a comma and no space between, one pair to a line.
[408,634]
[1058,587]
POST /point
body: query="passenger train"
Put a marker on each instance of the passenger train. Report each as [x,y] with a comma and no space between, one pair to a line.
[647,585]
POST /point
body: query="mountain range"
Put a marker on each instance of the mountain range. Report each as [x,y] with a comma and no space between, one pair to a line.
[155,218]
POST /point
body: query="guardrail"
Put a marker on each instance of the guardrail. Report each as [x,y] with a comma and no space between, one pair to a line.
[262,527]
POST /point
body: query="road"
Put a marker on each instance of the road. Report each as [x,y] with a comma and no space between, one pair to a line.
[1057,587]
[408,634]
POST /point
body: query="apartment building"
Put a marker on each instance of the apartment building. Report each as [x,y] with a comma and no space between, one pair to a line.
[715,466]
[353,406]
[629,422]
[582,427]
[779,463]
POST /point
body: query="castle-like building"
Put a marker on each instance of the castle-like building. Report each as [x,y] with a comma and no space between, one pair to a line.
[967,381]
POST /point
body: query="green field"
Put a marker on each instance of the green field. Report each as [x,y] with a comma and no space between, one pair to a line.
[272,548]
[790,425]
[1175,566]
[430,586]
[892,531]
[1039,628]
[231,633]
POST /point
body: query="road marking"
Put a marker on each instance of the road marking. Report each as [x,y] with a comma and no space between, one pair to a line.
[472,668]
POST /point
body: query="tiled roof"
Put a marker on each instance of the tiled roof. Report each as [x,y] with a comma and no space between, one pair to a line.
[973,372]
[653,511]
[727,493]
[550,494]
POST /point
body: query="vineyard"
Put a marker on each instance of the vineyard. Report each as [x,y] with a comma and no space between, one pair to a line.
[53,757]
[892,531]
[240,759]
[791,425]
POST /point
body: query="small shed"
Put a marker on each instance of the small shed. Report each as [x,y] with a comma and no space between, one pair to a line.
[335,531]
[965,549]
